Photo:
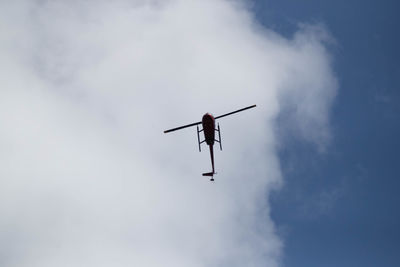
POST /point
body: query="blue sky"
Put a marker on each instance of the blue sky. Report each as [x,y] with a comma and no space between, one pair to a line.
[341,207]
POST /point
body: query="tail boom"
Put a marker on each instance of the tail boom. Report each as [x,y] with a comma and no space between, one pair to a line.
[211,174]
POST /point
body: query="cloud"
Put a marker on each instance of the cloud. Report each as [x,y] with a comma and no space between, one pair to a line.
[89,179]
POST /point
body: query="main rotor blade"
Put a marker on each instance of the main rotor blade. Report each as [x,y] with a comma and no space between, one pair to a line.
[181,127]
[233,112]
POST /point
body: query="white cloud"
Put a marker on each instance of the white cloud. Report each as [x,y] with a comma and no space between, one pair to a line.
[86,89]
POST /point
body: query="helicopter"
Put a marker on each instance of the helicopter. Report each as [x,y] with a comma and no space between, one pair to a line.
[209,129]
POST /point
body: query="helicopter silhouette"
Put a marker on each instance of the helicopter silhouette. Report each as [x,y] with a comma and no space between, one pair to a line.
[209,129]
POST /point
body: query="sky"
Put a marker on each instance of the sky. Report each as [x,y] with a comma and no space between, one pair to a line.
[340,208]
[89,179]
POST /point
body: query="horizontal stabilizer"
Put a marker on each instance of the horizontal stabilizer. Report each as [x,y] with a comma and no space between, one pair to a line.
[208,174]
